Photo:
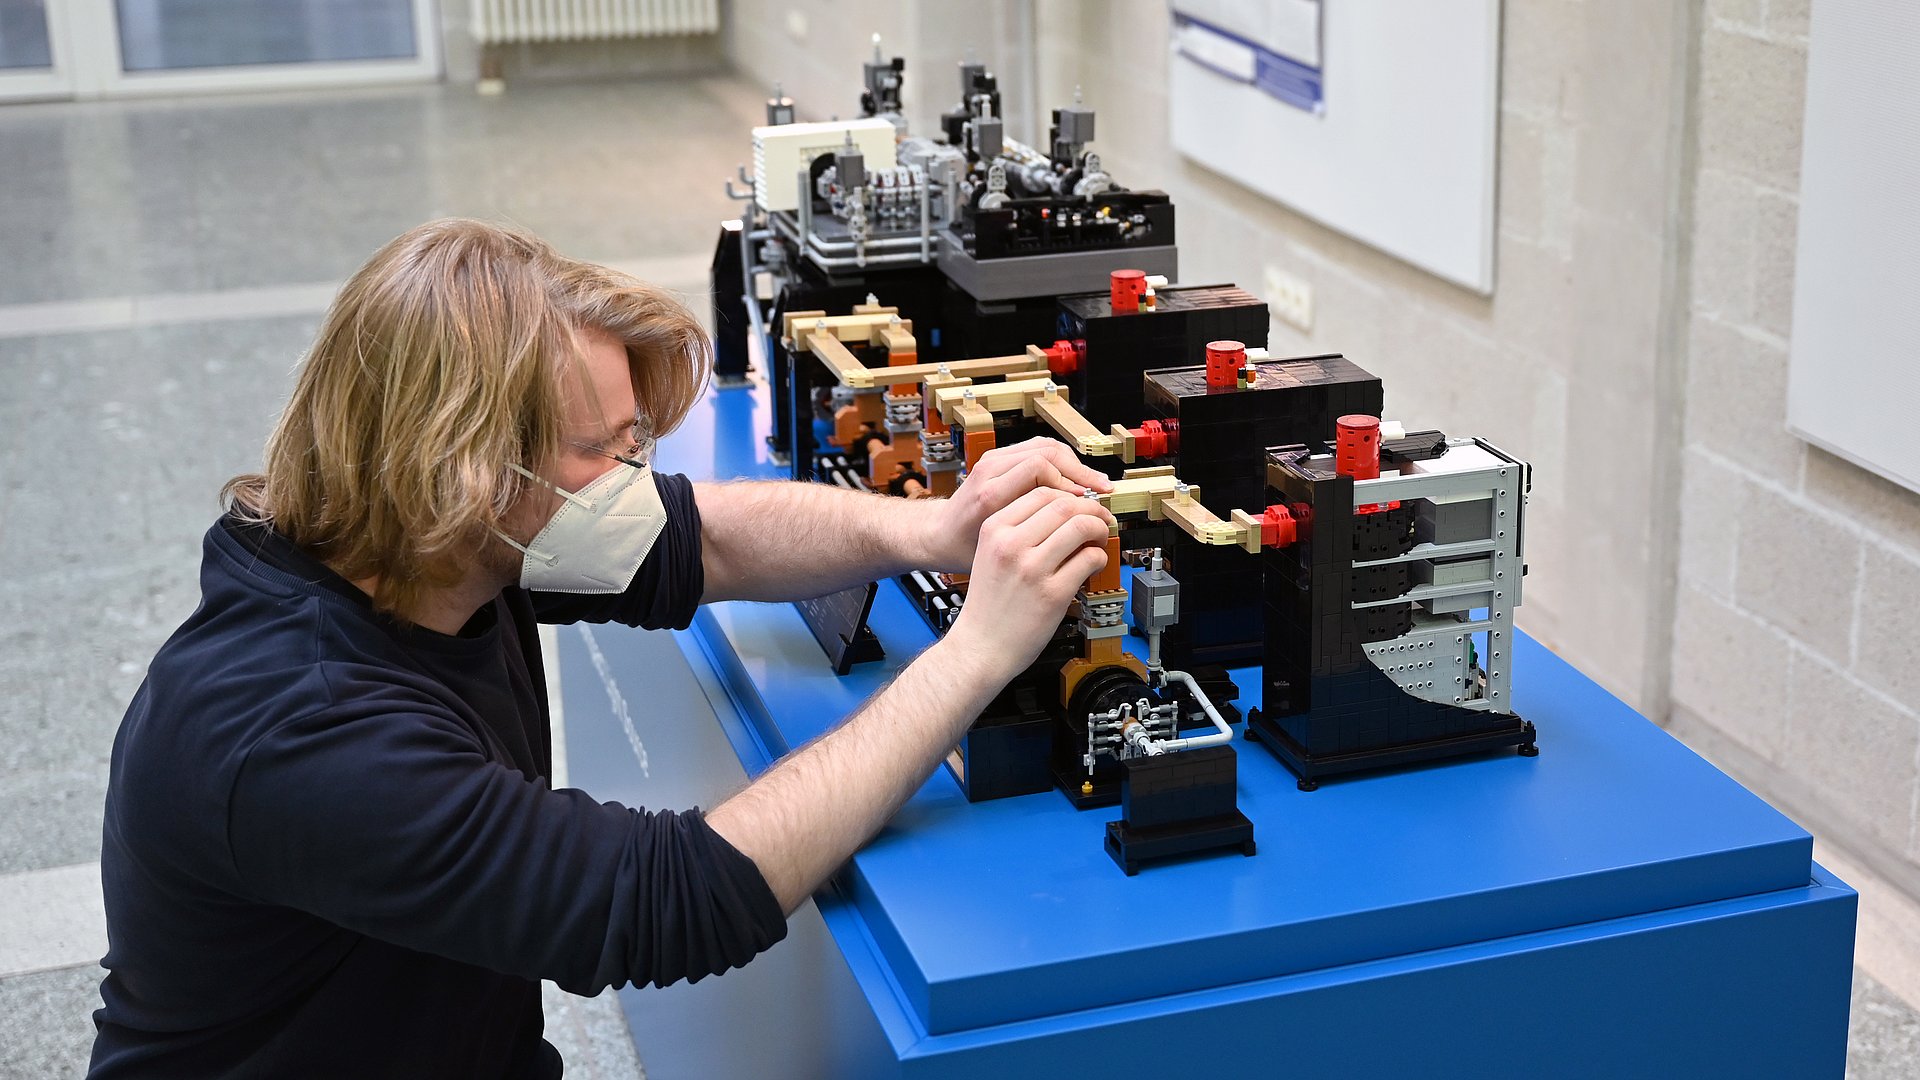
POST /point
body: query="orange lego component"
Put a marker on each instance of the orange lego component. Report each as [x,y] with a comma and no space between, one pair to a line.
[978,443]
[1108,579]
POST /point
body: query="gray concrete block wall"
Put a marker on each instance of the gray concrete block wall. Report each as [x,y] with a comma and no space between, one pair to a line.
[1794,564]
[821,70]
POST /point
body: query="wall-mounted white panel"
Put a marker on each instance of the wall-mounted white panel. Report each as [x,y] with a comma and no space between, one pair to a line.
[1854,381]
[1386,131]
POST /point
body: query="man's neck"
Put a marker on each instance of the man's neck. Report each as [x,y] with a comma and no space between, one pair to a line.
[447,610]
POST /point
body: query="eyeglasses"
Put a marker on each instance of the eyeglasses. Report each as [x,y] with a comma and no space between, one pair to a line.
[634,446]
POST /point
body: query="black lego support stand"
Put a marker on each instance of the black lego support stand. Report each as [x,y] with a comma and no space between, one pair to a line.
[1178,804]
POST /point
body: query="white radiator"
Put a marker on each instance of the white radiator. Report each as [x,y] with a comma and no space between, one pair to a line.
[496,21]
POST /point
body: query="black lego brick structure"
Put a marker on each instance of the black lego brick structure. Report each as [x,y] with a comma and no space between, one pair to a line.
[730,322]
[1326,707]
[1178,804]
[1224,433]
[1120,348]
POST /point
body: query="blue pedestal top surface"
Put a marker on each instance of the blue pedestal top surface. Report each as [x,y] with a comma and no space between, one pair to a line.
[1010,910]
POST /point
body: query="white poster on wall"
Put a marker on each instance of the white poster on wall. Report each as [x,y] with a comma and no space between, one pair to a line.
[1374,117]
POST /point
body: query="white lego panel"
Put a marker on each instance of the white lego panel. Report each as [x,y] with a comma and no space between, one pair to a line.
[781,151]
[1458,458]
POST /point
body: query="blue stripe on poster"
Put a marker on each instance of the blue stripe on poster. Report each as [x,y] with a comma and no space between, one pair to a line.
[1281,77]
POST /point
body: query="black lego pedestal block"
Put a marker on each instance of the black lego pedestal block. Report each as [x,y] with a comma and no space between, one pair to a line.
[1178,804]
[1122,347]
[1004,758]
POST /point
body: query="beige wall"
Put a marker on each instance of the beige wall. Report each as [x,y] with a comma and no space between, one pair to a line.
[1797,636]
[1761,597]
[821,71]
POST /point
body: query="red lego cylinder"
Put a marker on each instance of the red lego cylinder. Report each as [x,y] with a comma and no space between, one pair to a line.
[1124,290]
[1356,448]
[1224,360]
[1154,438]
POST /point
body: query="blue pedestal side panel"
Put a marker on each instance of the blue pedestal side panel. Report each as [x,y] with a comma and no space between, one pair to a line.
[1615,905]
[1754,987]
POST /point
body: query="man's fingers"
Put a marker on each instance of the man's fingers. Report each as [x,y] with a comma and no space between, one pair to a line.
[1058,551]
[1035,472]
[1071,468]
[1064,511]
[1084,563]
[1017,512]
[1075,472]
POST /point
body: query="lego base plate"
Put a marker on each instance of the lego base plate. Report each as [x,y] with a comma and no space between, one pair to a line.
[1311,768]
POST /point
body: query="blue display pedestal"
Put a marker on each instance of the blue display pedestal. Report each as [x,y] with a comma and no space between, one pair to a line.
[1613,907]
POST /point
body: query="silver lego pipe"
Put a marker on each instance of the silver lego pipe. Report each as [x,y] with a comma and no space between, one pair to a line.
[1222,734]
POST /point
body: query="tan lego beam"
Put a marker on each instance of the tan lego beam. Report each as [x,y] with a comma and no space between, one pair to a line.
[959,369]
[1183,509]
[1048,405]
[993,397]
[845,366]
[971,416]
[801,326]
[1136,491]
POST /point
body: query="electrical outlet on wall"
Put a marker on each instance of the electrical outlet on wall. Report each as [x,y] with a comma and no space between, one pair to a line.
[796,24]
[1290,298]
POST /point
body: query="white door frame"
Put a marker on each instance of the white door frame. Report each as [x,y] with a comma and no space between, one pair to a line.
[87,62]
[48,83]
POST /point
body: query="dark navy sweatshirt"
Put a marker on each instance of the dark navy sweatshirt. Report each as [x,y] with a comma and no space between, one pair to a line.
[332,847]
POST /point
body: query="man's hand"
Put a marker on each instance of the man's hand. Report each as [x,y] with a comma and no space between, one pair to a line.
[1031,539]
[1034,555]
[1000,478]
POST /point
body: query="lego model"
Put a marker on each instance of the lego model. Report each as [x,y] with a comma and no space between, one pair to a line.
[1271,518]
[1389,624]
[969,234]
[1090,718]
[1382,567]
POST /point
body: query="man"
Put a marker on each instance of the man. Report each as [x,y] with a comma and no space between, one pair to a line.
[331,844]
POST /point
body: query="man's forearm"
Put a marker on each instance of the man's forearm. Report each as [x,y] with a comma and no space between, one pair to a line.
[809,814]
[778,540]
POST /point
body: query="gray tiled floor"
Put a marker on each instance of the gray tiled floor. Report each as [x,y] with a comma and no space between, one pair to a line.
[47,1023]
[114,443]
[1883,1040]
[167,196]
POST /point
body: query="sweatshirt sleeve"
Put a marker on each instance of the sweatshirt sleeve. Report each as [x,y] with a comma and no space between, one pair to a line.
[395,825]
[666,591]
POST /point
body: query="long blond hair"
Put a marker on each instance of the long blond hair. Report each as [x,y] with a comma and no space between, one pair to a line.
[440,364]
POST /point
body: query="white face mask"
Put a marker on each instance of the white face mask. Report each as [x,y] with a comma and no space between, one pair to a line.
[598,538]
